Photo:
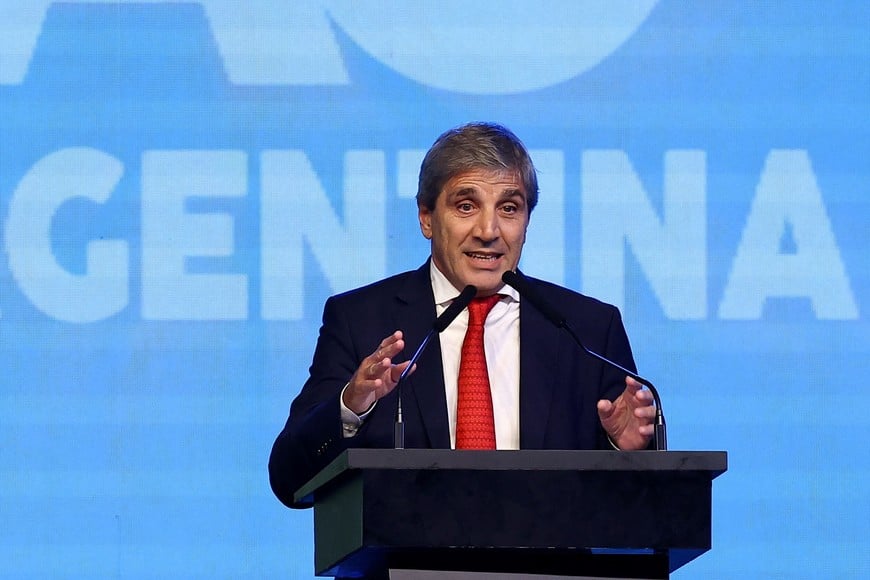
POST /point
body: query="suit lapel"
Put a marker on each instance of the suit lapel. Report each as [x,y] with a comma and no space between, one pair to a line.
[416,314]
[538,360]
[539,341]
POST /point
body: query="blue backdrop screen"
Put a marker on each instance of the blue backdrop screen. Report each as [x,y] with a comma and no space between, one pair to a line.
[183,184]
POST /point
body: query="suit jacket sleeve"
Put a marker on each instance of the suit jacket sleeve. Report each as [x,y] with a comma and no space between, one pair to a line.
[354,323]
[312,436]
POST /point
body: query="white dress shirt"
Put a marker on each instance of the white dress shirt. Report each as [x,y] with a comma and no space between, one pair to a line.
[502,347]
[501,338]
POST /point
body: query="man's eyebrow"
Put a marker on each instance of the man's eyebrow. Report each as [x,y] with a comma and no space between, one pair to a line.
[463,192]
[514,193]
[473,192]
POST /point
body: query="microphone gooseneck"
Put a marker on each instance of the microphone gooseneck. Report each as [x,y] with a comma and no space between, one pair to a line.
[527,292]
[442,322]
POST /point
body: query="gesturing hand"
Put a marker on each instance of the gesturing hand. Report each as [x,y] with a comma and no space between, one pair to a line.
[629,419]
[376,375]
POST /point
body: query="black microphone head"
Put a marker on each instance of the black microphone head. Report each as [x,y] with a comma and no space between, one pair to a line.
[511,278]
[458,305]
[521,285]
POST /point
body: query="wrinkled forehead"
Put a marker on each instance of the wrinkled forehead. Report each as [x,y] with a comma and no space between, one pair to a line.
[506,179]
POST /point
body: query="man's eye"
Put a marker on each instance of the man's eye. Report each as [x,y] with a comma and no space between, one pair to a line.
[509,208]
[464,207]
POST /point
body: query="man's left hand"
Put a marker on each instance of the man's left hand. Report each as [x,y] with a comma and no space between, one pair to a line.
[629,419]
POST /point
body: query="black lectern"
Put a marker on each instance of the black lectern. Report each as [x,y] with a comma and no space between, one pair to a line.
[424,513]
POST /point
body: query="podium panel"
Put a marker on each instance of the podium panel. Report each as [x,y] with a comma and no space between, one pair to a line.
[611,514]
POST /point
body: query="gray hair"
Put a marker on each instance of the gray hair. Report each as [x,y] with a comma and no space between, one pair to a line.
[475,146]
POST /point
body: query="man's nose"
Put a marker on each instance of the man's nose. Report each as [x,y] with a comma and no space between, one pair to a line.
[487,226]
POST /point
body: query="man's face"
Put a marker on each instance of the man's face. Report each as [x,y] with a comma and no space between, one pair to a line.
[478,227]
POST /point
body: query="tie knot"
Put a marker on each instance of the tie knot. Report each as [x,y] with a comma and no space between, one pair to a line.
[478,309]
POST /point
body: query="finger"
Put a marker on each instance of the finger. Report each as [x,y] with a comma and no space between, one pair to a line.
[647,413]
[390,346]
[392,339]
[397,370]
[632,386]
[605,409]
[644,397]
[376,369]
[394,348]
[365,387]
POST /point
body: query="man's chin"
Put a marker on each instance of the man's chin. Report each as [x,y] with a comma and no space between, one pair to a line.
[486,283]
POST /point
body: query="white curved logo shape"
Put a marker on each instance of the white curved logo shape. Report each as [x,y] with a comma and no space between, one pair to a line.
[476,47]
[493,47]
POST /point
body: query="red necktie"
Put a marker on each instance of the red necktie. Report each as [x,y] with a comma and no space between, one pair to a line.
[475,426]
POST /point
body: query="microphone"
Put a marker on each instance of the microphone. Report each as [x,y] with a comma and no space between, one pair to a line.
[442,322]
[521,285]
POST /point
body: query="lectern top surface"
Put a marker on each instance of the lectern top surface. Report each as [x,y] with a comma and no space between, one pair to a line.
[711,462]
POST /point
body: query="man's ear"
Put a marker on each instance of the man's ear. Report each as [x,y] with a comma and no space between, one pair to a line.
[425,216]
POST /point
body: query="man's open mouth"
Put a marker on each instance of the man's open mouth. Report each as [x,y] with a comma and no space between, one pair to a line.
[481,256]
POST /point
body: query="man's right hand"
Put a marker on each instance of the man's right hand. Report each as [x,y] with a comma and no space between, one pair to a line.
[376,375]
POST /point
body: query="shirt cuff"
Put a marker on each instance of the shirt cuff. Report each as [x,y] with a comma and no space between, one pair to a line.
[350,421]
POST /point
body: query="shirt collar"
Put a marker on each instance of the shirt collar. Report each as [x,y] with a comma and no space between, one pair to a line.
[445,292]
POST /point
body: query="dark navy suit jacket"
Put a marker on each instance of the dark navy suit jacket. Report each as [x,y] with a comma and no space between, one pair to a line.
[559,384]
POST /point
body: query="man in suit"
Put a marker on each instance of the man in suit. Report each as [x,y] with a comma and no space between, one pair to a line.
[476,193]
